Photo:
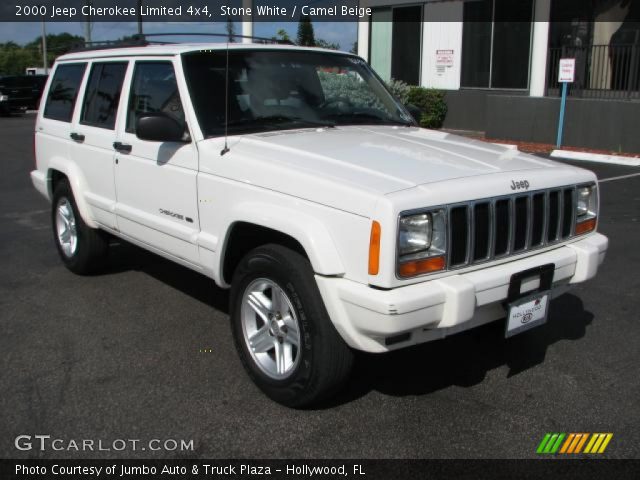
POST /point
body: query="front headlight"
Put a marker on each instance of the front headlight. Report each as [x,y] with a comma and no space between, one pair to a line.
[587,202]
[415,233]
[422,243]
[586,208]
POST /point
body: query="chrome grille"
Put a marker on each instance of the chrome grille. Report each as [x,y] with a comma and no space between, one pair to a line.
[483,230]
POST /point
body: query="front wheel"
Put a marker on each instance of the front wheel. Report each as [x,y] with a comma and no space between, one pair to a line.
[82,248]
[282,331]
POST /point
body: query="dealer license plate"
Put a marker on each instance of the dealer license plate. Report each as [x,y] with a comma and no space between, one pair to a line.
[527,313]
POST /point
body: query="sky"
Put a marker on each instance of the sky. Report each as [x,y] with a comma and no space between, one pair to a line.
[343,33]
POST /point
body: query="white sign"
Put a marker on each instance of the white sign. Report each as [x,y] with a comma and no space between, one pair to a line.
[444,58]
[567,72]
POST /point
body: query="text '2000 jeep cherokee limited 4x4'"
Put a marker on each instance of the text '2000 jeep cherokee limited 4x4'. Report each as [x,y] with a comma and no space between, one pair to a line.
[293,177]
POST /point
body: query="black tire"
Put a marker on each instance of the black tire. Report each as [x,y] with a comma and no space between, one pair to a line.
[89,255]
[325,359]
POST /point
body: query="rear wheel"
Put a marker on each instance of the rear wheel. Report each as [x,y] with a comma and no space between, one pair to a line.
[282,331]
[82,249]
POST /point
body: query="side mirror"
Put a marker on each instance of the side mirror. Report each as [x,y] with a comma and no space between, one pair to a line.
[415,112]
[158,127]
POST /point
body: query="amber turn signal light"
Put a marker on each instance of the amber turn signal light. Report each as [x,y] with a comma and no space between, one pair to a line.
[374,248]
[586,226]
[429,265]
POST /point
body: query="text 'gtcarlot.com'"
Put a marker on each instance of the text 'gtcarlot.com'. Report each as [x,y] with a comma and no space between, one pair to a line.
[47,443]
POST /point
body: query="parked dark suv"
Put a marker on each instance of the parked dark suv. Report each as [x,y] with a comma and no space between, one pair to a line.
[19,93]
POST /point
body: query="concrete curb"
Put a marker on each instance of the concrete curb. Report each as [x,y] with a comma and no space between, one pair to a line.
[596,157]
[507,145]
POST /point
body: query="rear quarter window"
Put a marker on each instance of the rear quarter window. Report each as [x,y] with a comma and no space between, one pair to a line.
[63,92]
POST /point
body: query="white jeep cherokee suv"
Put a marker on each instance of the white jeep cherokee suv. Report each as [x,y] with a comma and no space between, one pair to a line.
[293,177]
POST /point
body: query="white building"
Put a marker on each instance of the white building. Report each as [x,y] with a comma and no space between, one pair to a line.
[494,57]
[494,44]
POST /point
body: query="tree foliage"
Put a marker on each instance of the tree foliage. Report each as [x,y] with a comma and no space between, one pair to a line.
[306,36]
[14,58]
[281,36]
[324,44]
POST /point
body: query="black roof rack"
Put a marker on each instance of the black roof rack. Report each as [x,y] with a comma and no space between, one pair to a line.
[219,35]
[141,40]
[134,41]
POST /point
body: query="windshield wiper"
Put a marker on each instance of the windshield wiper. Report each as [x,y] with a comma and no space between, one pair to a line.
[277,119]
[365,117]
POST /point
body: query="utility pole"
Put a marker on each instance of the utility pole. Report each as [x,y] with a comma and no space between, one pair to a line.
[140,17]
[247,23]
[45,63]
[87,25]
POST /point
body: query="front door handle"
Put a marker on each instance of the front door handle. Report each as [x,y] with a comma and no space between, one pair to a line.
[122,147]
[78,137]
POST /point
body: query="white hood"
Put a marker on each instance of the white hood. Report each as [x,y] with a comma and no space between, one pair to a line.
[373,160]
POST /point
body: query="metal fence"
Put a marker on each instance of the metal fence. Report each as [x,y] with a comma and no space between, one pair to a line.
[602,71]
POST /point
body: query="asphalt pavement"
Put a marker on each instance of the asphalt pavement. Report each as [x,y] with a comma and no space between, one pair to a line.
[144,351]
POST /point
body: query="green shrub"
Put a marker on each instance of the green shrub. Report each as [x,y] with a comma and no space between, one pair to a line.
[400,90]
[431,103]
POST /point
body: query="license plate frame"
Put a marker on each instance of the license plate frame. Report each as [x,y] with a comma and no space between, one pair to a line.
[529,309]
[527,313]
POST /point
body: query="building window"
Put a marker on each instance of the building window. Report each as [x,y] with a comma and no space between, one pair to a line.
[395,44]
[604,39]
[380,44]
[496,44]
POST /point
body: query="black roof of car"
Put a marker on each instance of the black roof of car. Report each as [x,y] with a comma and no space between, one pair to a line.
[23,80]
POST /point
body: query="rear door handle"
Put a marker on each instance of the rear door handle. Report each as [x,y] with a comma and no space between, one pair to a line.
[78,137]
[122,147]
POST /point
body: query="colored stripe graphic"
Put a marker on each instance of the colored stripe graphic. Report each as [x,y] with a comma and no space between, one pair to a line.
[567,443]
[598,442]
[582,442]
[594,437]
[573,443]
[556,446]
[543,443]
[551,443]
[607,439]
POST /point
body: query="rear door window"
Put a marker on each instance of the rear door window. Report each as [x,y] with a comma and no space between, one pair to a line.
[154,90]
[63,92]
[102,96]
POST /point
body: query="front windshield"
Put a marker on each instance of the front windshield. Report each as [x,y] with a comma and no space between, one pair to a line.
[282,89]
